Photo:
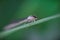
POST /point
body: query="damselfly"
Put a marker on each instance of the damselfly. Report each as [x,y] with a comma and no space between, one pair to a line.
[16,23]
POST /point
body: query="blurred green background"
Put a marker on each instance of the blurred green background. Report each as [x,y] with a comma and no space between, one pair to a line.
[14,9]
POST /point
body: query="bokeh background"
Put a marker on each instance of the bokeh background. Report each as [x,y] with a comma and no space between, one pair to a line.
[14,9]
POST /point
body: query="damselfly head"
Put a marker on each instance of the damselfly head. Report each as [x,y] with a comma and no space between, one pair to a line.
[32,18]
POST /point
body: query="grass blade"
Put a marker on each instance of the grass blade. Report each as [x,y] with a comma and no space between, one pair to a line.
[6,33]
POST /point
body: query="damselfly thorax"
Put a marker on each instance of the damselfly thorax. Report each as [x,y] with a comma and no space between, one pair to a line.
[16,23]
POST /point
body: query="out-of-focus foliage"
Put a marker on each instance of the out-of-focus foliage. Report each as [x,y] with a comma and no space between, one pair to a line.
[14,9]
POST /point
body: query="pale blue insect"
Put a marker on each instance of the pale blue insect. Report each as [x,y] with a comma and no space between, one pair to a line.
[19,22]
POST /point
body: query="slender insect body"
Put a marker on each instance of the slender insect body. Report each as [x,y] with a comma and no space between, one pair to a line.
[12,25]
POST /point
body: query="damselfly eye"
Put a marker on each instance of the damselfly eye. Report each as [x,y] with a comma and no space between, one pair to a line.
[35,16]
